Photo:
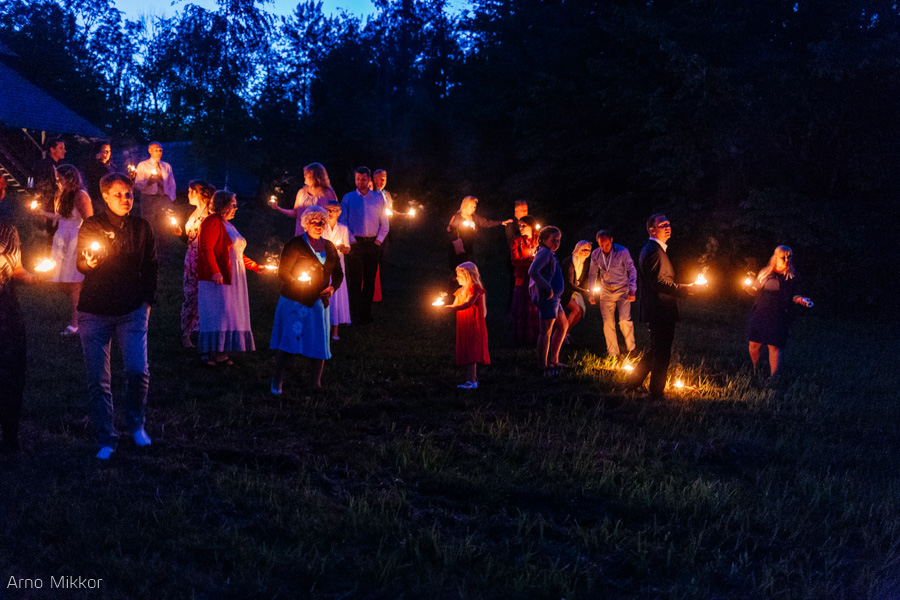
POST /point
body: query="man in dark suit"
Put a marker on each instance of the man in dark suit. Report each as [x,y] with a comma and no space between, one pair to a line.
[658,305]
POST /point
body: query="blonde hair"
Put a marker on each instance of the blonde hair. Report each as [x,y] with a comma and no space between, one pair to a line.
[769,268]
[466,200]
[471,273]
[577,259]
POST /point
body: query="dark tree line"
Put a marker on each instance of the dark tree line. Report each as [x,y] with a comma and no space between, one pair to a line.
[754,123]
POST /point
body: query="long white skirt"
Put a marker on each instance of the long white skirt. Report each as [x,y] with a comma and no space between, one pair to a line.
[339,305]
[64,251]
[225,310]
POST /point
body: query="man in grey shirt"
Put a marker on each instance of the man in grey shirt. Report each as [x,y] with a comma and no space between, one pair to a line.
[613,283]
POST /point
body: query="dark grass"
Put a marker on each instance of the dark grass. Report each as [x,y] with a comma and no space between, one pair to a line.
[391,483]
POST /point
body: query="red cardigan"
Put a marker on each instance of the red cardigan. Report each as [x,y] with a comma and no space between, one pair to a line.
[214,251]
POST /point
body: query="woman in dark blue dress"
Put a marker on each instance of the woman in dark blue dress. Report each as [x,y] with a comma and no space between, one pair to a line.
[770,317]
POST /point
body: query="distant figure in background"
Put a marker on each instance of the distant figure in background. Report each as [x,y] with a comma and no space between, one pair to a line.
[156,183]
[613,283]
[45,181]
[339,235]
[379,181]
[511,229]
[98,166]
[310,271]
[13,363]
[200,195]
[524,318]
[222,299]
[469,303]
[363,212]
[120,280]
[463,229]
[71,207]
[576,269]
[546,293]
[658,306]
[316,191]
[770,318]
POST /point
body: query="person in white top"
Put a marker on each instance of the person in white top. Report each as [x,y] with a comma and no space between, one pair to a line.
[339,235]
[156,183]
[316,191]
[613,283]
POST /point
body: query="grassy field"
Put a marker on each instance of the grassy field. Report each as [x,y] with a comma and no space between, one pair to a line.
[391,483]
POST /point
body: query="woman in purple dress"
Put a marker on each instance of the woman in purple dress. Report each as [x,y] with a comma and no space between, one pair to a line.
[771,315]
[316,191]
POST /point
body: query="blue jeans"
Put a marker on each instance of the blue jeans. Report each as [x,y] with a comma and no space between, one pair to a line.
[96,333]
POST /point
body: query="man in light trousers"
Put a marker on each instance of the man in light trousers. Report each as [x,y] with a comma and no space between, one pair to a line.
[613,284]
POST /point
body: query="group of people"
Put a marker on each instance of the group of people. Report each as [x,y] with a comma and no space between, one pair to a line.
[548,298]
[106,258]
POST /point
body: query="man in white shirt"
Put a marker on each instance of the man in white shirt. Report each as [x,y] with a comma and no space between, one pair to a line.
[156,183]
[613,283]
[363,212]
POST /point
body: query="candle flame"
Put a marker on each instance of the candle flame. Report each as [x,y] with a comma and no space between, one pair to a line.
[537,226]
[412,212]
[45,265]
[388,212]
[701,280]
[748,281]
[34,204]
[469,224]
[272,199]
[304,277]
[597,289]
[271,267]
[679,383]
[95,246]
[173,220]
[627,367]
[438,302]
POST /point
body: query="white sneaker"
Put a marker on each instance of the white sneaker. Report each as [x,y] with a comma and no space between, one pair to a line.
[469,385]
[105,453]
[141,438]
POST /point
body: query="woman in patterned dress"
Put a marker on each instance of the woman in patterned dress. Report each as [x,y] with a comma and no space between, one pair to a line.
[316,191]
[200,195]
[12,334]
[310,272]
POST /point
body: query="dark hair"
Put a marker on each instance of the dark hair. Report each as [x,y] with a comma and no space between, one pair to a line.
[205,190]
[154,144]
[546,232]
[109,179]
[379,171]
[363,171]
[604,233]
[654,218]
[530,221]
[52,142]
[71,182]
[521,203]
[221,199]
[97,147]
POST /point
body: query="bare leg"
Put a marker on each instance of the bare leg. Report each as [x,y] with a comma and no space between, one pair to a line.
[73,291]
[559,334]
[774,359]
[334,332]
[575,313]
[318,365]
[281,360]
[754,352]
[543,343]
[470,372]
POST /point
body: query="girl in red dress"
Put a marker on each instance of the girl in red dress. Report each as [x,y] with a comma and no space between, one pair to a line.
[471,330]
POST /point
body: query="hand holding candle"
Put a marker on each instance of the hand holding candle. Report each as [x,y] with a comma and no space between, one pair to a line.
[33,205]
[273,201]
[469,224]
[45,266]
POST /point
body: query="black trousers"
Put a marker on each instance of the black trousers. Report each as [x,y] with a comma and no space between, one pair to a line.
[10,413]
[362,264]
[656,360]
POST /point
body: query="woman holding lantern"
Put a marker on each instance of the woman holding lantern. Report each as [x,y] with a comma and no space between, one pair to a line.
[12,334]
[770,317]
[310,271]
[526,323]
[71,207]
[200,195]
[223,302]
[316,191]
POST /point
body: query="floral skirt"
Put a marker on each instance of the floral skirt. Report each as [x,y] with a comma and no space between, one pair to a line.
[301,329]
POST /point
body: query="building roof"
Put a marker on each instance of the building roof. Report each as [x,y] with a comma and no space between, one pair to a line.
[27,106]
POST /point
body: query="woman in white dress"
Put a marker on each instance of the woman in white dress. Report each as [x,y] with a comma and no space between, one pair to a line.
[316,191]
[71,207]
[339,235]
[222,284]
[310,273]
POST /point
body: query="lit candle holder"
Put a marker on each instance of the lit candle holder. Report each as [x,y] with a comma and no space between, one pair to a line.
[537,226]
[412,212]
[154,173]
[45,265]
[679,383]
[388,212]
[33,205]
[95,246]
[439,301]
[132,169]
[173,221]
[701,280]
[748,282]
[271,267]
[469,224]
[304,277]
[627,367]
[273,201]
[597,289]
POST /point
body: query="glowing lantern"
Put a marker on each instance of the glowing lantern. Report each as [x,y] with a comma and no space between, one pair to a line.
[273,200]
[45,265]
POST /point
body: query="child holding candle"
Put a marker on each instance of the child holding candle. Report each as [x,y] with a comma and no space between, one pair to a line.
[471,329]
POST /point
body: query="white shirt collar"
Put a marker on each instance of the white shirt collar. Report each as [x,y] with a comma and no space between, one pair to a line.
[664,246]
